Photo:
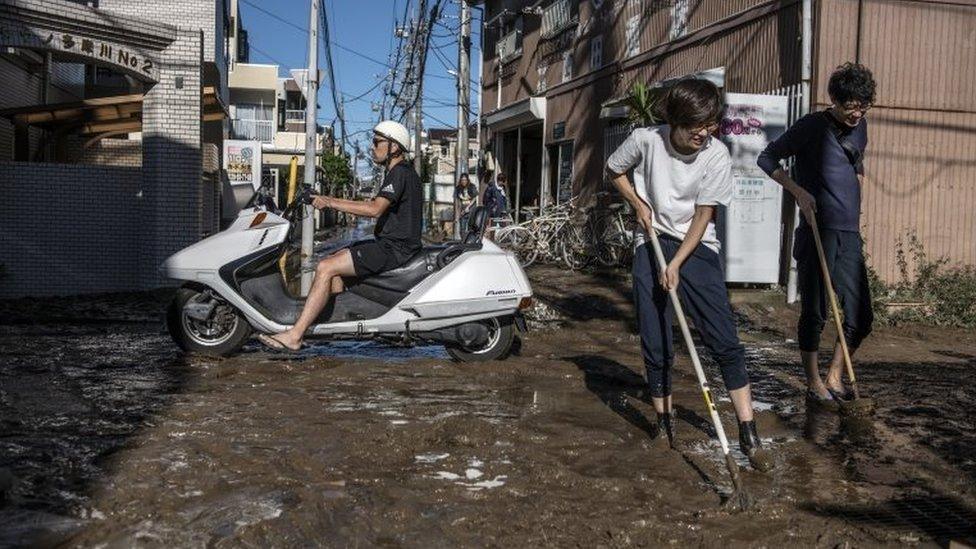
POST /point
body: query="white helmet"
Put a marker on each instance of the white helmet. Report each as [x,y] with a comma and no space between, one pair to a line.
[394,131]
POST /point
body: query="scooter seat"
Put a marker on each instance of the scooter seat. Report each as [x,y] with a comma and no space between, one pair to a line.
[408,275]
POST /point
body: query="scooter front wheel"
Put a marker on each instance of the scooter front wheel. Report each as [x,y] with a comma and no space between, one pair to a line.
[222,333]
[501,335]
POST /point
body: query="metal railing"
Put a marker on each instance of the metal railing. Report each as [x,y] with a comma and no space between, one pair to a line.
[556,18]
[292,115]
[509,47]
[253,130]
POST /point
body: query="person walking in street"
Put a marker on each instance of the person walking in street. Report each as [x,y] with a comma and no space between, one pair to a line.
[496,197]
[465,194]
[681,174]
[398,208]
[828,147]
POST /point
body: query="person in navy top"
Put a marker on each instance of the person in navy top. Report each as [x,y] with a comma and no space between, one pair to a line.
[828,149]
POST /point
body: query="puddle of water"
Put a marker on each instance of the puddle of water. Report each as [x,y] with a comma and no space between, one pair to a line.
[369,350]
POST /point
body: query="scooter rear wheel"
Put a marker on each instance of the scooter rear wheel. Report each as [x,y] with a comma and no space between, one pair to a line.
[223,335]
[501,335]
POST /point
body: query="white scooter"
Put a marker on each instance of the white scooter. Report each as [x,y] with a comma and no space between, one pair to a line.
[467,295]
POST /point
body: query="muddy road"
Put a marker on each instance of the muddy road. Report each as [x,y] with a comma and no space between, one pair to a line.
[109,437]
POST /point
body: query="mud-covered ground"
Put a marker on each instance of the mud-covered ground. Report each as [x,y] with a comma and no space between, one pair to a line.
[110,437]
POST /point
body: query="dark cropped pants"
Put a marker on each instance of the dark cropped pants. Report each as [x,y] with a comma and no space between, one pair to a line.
[705,300]
[845,262]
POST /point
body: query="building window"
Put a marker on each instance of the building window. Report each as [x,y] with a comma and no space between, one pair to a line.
[509,45]
[596,53]
[557,17]
[445,150]
[633,35]
[254,122]
[679,19]
[542,85]
[567,66]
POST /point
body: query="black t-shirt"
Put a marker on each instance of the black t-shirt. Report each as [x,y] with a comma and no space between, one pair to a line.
[401,224]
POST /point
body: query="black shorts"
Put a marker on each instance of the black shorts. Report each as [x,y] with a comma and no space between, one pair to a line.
[372,257]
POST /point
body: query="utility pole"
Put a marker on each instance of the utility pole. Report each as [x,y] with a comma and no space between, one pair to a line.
[464,101]
[311,100]
[418,109]
[464,104]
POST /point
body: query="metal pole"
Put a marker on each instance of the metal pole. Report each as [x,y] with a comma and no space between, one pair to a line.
[311,98]
[518,174]
[464,77]
[806,68]
[419,106]
[481,75]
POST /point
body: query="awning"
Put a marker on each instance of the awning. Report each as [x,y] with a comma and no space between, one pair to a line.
[528,110]
[615,108]
[115,114]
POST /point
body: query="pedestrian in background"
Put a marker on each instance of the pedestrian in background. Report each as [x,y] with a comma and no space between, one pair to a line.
[465,195]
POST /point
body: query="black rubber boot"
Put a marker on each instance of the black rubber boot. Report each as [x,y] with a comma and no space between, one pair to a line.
[665,425]
[760,458]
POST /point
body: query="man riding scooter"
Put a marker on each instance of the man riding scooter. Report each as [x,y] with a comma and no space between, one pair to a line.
[398,207]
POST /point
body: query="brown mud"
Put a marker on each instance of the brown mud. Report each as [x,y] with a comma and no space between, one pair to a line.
[110,437]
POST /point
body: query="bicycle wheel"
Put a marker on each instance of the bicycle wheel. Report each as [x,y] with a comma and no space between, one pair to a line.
[519,241]
[573,247]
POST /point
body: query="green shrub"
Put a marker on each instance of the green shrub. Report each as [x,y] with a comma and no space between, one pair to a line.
[946,293]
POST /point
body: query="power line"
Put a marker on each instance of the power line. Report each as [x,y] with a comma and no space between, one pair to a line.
[340,46]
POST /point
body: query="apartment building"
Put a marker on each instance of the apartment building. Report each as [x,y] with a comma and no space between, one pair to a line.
[111,121]
[556,73]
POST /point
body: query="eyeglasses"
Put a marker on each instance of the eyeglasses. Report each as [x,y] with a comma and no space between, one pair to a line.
[856,107]
[707,128]
[378,141]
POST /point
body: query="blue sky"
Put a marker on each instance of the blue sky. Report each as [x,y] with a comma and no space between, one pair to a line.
[361,29]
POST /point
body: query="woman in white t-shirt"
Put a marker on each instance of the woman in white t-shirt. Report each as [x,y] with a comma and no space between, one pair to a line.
[681,174]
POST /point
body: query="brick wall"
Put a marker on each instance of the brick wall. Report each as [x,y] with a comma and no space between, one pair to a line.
[69,229]
[171,154]
[186,14]
[112,152]
[19,88]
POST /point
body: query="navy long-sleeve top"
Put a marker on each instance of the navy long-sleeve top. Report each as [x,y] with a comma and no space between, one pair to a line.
[822,167]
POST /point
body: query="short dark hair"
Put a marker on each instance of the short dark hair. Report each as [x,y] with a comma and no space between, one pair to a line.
[852,82]
[692,102]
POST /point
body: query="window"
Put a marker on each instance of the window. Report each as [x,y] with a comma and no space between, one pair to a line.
[543,71]
[567,66]
[679,19]
[445,150]
[558,17]
[510,44]
[632,32]
[596,53]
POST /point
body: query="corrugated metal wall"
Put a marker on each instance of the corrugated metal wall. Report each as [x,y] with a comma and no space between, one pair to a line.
[921,158]
[759,56]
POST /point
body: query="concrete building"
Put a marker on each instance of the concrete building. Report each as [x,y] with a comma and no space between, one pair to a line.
[268,108]
[556,73]
[111,122]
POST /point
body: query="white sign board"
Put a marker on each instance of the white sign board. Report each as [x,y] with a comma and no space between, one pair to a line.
[242,162]
[750,228]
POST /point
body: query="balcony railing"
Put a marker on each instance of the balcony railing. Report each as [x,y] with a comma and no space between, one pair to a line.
[253,130]
[509,47]
[556,18]
[292,115]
